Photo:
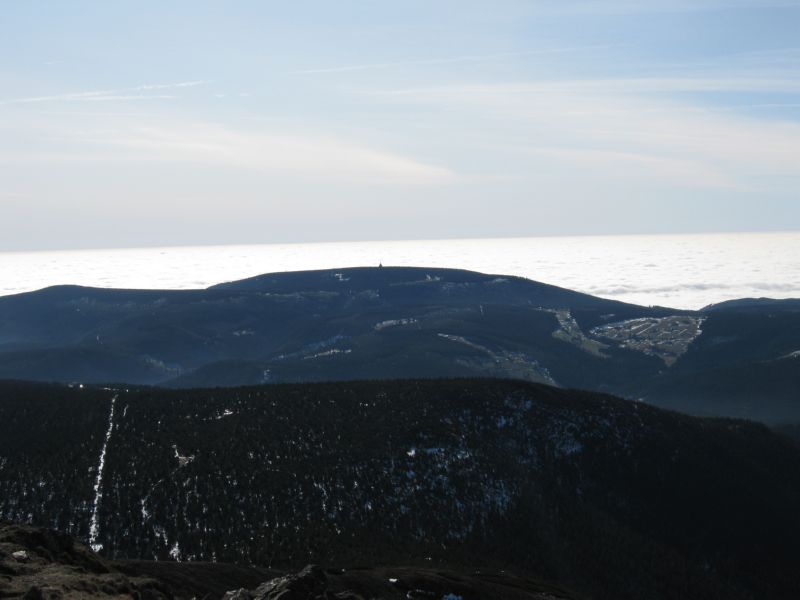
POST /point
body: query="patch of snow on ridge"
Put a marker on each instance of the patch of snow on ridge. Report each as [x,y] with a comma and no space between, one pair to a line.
[94,526]
[394,323]
[330,352]
[182,460]
[175,552]
[145,512]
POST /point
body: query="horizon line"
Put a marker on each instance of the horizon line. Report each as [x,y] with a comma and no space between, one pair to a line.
[400,240]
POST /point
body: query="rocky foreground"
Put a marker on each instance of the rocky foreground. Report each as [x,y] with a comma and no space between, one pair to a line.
[42,564]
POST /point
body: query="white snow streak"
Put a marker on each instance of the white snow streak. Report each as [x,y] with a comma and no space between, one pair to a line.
[94,527]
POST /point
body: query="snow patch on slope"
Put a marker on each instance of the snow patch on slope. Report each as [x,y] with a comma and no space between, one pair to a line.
[94,526]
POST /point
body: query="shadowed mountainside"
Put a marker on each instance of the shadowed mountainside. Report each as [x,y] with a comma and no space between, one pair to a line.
[609,497]
[739,358]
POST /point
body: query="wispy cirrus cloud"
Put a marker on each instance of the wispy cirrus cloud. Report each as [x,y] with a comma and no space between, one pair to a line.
[632,166]
[305,155]
[595,7]
[453,59]
[629,85]
[629,129]
[140,92]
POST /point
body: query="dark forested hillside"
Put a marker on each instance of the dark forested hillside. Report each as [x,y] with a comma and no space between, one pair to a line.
[614,498]
[319,325]
[745,364]
[736,359]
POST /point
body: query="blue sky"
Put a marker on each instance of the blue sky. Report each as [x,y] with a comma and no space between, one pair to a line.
[162,123]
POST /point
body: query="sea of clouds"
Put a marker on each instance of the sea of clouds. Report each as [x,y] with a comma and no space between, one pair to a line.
[681,271]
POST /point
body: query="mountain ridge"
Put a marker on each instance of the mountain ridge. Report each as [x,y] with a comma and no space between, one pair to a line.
[390,322]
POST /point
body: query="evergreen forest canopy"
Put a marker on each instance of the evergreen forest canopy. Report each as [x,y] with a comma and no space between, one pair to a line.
[612,498]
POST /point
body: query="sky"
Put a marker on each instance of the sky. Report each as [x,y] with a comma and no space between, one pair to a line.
[151,123]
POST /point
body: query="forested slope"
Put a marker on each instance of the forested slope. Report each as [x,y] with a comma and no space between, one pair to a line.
[604,495]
